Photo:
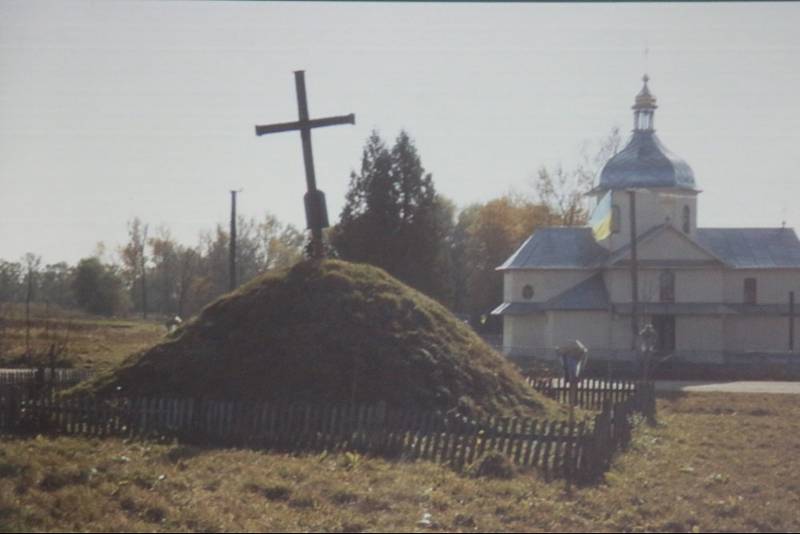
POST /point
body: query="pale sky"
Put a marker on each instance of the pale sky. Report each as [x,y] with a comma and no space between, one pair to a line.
[111,110]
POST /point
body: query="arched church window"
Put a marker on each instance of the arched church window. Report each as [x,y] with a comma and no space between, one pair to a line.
[615,219]
[666,284]
[527,292]
[687,219]
[750,291]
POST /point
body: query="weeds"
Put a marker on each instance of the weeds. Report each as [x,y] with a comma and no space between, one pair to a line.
[696,471]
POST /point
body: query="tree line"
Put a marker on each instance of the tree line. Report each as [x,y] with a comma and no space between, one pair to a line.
[152,273]
[393,218]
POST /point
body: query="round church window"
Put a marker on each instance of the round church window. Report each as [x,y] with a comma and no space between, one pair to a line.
[527,292]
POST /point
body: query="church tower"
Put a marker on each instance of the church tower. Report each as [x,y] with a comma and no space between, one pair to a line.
[713,295]
[665,187]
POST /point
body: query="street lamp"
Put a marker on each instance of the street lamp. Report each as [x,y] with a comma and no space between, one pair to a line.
[647,346]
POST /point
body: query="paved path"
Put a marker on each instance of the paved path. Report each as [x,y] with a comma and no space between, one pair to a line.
[729,387]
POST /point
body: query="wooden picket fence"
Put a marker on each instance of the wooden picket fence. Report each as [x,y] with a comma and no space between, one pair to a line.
[579,452]
[58,377]
[591,393]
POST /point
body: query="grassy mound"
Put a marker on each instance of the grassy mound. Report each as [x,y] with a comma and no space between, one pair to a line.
[329,332]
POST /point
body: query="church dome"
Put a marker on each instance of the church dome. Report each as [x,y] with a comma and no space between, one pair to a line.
[645,161]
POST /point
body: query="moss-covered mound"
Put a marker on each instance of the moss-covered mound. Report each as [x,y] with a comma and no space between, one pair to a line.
[329,332]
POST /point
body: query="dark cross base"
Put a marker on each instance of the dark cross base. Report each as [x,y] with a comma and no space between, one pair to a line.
[316,211]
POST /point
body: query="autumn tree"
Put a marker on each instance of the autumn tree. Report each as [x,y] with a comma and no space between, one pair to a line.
[262,245]
[164,281]
[487,235]
[563,191]
[281,245]
[134,264]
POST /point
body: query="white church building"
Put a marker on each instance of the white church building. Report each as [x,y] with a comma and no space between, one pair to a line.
[714,295]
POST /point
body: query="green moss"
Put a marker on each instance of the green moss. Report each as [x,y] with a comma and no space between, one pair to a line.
[329,331]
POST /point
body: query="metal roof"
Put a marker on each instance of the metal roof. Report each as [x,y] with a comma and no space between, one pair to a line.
[591,294]
[646,162]
[557,248]
[621,255]
[752,248]
[739,248]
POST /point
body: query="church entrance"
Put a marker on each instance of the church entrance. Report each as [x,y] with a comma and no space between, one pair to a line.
[665,330]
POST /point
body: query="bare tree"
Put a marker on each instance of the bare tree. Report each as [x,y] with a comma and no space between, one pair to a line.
[134,260]
[564,191]
[32,264]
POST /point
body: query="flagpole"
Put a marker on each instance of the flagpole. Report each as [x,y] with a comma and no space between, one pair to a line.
[634,270]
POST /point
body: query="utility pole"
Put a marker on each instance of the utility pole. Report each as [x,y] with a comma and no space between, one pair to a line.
[28,296]
[634,271]
[232,250]
[791,320]
[144,276]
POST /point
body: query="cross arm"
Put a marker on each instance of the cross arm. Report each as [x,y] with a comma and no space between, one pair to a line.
[299,125]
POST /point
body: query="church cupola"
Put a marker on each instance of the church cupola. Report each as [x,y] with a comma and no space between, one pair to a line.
[645,162]
[644,108]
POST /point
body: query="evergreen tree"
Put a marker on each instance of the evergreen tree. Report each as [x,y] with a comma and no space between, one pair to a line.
[394,219]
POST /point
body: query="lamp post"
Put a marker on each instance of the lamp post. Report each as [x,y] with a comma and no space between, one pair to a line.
[574,357]
[647,346]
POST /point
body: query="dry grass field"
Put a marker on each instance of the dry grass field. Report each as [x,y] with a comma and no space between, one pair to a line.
[716,462]
[88,342]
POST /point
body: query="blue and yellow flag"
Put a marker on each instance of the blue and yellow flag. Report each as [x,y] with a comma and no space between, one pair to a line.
[601,220]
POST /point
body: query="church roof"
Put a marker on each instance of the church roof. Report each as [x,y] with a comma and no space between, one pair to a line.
[738,248]
[591,294]
[646,162]
[557,248]
[624,252]
[752,248]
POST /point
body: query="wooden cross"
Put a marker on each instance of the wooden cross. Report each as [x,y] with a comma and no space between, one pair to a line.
[314,199]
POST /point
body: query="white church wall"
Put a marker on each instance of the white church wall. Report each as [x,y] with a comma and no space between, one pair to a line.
[696,285]
[691,285]
[620,337]
[590,327]
[670,246]
[618,283]
[546,283]
[672,204]
[751,333]
[525,335]
[652,209]
[772,286]
[700,338]
[648,214]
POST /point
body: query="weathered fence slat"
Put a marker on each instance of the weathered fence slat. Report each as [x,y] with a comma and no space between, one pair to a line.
[571,451]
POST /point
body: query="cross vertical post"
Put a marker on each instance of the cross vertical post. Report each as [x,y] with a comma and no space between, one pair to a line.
[305,130]
[791,320]
[314,199]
